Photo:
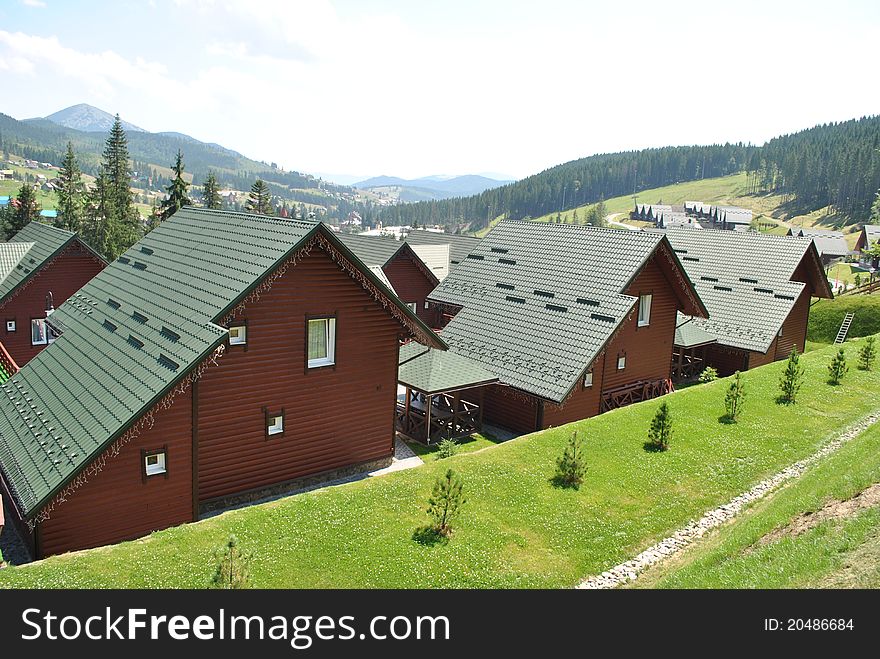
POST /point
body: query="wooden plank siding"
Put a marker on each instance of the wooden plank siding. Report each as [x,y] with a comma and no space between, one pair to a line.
[583,403]
[510,409]
[117,503]
[410,283]
[64,276]
[333,416]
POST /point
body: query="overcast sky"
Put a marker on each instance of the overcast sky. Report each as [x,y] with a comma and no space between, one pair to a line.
[414,88]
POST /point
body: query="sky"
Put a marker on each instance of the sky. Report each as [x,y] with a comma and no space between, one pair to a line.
[413,88]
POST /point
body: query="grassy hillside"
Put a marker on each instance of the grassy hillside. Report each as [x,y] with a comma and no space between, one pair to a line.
[517,529]
[779,544]
[827,315]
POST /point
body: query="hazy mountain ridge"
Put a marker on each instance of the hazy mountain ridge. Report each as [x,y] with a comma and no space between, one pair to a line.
[432,187]
[88,119]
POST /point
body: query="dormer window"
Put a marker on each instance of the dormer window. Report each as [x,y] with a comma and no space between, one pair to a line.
[41,333]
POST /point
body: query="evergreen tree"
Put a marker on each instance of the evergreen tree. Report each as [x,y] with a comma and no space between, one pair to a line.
[735,397]
[124,222]
[837,368]
[445,503]
[875,209]
[24,211]
[792,378]
[260,199]
[71,194]
[233,567]
[99,214]
[660,431]
[867,354]
[571,466]
[211,192]
[177,197]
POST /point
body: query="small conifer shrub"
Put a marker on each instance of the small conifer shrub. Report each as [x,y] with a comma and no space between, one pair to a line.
[445,502]
[837,368]
[233,567]
[792,378]
[709,374]
[735,398]
[446,448]
[571,466]
[867,354]
[661,429]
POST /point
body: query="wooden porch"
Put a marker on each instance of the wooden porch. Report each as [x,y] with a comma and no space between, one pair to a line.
[635,392]
[687,363]
[430,418]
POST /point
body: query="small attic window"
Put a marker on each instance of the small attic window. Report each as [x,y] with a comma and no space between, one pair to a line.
[705,278]
[723,288]
[507,261]
[125,260]
[146,250]
[476,257]
[138,265]
[545,294]
[783,297]
[763,290]
[602,317]
[518,300]
[499,250]
[506,287]
[136,342]
[141,318]
[167,362]
[110,326]
[690,258]
[169,334]
[747,280]
[113,303]
[588,302]
[556,307]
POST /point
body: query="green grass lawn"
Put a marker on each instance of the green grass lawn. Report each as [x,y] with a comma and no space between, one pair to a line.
[842,553]
[47,200]
[827,315]
[475,442]
[517,530]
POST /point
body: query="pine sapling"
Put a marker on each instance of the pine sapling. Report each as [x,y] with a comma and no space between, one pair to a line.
[735,397]
[709,374]
[571,466]
[792,378]
[445,503]
[837,368]
[446,448]
[867,354]
[661,429]
[233,567]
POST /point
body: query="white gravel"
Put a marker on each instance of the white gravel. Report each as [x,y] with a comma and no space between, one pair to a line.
[630,570]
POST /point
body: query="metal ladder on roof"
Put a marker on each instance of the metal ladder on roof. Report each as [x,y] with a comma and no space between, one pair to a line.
[844,328]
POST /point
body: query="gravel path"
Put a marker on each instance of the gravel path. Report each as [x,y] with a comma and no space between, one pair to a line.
[630,570]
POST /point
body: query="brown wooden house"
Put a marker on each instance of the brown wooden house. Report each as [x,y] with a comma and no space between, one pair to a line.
[572,320]
[223,357]
[409,276]
[40,267]
[757,288]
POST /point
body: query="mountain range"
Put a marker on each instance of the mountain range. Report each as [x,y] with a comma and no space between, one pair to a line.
[89,119]
[430,187]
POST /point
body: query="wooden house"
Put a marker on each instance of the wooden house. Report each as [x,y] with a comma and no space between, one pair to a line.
[409,276]
[830,244]
[868,237]
[571,320]
[459,246]
[40,267]
[757,289]
[222,358]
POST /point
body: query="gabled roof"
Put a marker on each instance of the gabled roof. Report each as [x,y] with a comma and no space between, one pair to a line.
[872,232]
[459,246]
[540,301]
[372,250]
[432,371]
[36,245]
[745,279]
[138,329]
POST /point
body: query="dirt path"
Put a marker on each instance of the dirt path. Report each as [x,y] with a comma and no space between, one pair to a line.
[630,570]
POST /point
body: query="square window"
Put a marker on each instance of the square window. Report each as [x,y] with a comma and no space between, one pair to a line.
[621,362]
[41,333]
[154,463]
[645,310]
[238,335]
[275,425]
[413,306]
[779,334]
[588,379]
[10,325]
[321,342]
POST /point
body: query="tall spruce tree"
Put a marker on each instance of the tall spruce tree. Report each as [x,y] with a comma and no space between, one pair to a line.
[25,210]
[211,192]
[71,193]
[124,225]
[260,199]
[177,197]
[99,214]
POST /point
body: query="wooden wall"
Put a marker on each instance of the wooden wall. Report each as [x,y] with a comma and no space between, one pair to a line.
[726,360]
[583,403]
[68,273]
[117,504]
[794,329]
[410,283]
[508,409]
[334,416]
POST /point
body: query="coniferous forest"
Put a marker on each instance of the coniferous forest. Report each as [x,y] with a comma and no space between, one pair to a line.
[833,164]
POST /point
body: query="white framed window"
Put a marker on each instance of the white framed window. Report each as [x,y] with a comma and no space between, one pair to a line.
[275,424]
[321,342]
[414,306]
[238,335]
[41,333]
[588,379]
[779,333]
[426,304]
[10,325]
[154,463]
[621,362]
[645,309]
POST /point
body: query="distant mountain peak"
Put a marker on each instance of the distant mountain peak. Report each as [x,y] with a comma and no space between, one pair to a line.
[89,119]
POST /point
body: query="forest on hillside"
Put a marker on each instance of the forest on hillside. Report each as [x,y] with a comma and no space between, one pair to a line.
[834,164]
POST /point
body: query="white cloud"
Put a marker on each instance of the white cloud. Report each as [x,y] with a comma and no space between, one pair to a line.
[34,3]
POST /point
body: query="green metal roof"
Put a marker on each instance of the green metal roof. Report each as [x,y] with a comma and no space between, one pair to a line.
[689,334]
[744,279]
[45,242]
[372,250]
[433,371]
[10,257]
[540,301]
[132,333]
[459,246]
